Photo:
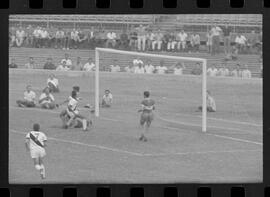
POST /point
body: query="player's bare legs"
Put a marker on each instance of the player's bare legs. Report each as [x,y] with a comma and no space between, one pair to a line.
[42,168]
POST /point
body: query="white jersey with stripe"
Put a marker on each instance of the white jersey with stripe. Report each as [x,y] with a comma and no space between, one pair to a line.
[72,103]
[40,136]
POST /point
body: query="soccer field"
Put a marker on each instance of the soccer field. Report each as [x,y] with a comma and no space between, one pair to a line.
[176,150]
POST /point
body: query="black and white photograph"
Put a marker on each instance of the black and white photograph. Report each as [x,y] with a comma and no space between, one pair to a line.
[135,98]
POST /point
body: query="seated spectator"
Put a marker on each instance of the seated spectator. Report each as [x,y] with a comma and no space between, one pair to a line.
[182,40]
[89,65]
[111,39]
[53,83]
[139,69]
[62,66]
[223,71]
[178,68]
[30,64]
[212,71]
[161,69]
[107,99]
[149,68]
[79,65]
[157,41]
[28,99]
[115,67]
[129,69]
[236,72]
[46,99]
[49,65]
[20,35]
[137,61]
[67,60]
[13,64]
[246,72]
[197,70]
[210,103]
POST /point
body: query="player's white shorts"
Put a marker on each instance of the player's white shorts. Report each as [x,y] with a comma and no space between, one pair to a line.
[37,152]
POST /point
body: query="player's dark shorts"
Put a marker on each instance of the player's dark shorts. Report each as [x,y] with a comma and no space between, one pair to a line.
[146,117]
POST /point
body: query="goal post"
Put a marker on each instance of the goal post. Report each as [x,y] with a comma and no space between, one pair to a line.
[140,54]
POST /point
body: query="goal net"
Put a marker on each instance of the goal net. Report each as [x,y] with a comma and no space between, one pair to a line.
[179,72]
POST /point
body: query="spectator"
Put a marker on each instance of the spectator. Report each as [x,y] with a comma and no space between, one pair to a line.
[28,99]
[178,68]
[29,41]
[171,42]
[20,35]
[12,37]
[115,67]
[212,71]
[49,65]
[13,64]
[150,36]
[30,64]
[215,31]
[129,69]
[139,69]
[66,40]
[157,41]
[79,65]
[124,40]
[89,66]
[74,39]
[107,99]
[240,42]
[67,60]
[254,40]
[210,103]
[44,37]
[197,70]
[51,37]
[197,42]
[209,42]
[37,37]
[223,71]
[161,69]
[246,72]
[137,61]
[53,83]
[133,36]
[227,39]
[46,99]
[236,72]
[149,68]
[59,38]
[82,39]
[111,39]
[182,39]
[141,37]
[91,38]
[62,66]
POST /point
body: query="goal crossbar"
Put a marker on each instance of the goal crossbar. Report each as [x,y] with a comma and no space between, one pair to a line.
[140,54]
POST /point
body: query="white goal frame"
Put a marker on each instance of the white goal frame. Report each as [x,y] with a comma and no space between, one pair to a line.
[201,60]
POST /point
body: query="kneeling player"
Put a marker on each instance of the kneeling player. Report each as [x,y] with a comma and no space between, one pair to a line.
[148,105]
[211,104]
[35,143]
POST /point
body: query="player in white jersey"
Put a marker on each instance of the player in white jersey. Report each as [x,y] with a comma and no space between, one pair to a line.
[35,143]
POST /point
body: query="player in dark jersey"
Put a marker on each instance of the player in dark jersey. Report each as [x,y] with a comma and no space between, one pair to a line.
[148,105]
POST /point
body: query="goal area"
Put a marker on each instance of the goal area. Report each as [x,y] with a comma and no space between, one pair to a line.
[114,53]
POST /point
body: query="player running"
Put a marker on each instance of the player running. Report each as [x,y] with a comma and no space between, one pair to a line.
[148,105]
[35,143]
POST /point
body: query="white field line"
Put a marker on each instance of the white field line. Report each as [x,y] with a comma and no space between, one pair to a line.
[142,154]
[117,120]
[194,116]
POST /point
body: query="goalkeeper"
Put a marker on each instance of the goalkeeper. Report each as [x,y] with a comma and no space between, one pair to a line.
[210,103]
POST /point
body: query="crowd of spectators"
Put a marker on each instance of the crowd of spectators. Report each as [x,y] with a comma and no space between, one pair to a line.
[140,38]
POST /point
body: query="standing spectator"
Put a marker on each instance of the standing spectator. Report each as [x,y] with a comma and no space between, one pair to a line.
[178,68]
[133,36]
[49,64]
[91,38]
[37,37]
[157,41]
[89,65]
[29,99]
[111,39]
[20,35]
[150,36]
[82,39]
[161,69]
[51,37]
[197,42]
[59,38]
[172,42]
[12,37]
[182,40]
[246,72]
[29,36]
[31,64]
[240,42]
[124,40]
[107,99]
[141,37]
[115,67]
[165,41]
[215,31]
[44,37]
[149,68]
[139,69]
[209,42]
[66,40]
[13,64]
[197,70]
[74,39]
[227,39]
[67,60]
[53,83]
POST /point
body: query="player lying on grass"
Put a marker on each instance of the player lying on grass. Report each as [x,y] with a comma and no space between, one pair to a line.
[73,113]
[210,103]
[35,143]
[53,83]
[107,99]
[46,99]
[148,105]
[28,99]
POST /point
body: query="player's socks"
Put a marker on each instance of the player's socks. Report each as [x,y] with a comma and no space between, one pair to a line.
[42,171]
[84,122]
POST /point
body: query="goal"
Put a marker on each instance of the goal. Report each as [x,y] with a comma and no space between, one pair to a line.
[203,63]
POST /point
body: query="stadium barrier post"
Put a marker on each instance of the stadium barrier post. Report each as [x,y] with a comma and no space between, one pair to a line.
[204,107]
[97,83]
